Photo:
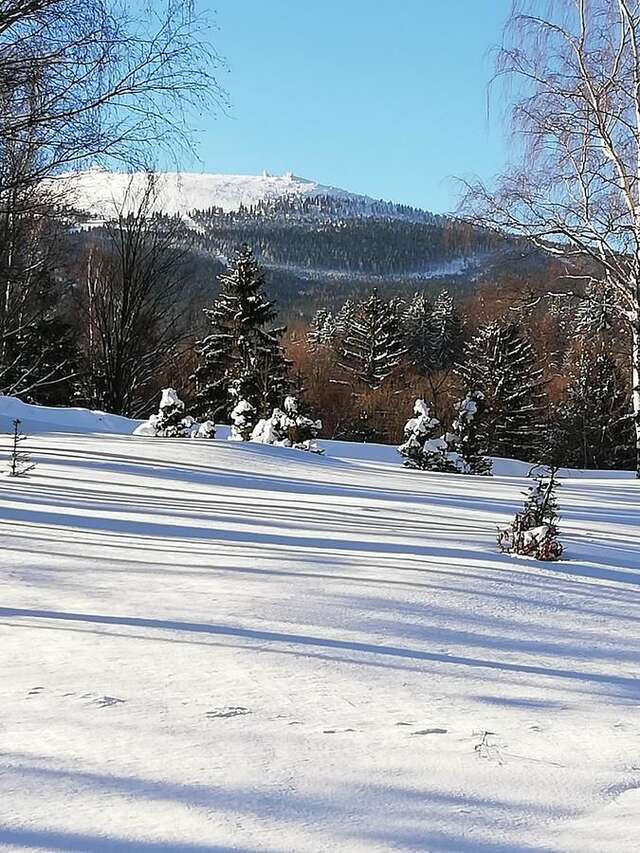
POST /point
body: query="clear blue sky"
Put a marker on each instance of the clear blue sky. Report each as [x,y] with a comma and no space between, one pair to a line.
[378,97]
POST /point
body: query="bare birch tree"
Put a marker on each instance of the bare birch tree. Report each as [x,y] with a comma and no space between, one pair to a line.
[573,69]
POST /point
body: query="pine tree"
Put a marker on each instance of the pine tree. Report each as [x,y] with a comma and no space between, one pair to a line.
[241,358]
[418,322]
[373,344]
[446,332]
[593,425]
[422,448]
[468,436]
[19,460]
[500,363]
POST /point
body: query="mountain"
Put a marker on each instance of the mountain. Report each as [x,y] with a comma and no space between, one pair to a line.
[100,192]
[319,242]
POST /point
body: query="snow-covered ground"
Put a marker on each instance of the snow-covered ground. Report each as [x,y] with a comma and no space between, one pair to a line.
[212,646]
[102,193]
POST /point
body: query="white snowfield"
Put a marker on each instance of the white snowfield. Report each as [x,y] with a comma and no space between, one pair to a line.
[102,193]
[217,646]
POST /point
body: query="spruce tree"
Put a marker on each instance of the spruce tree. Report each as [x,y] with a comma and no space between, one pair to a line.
[423,448]
[323,329]
[241,358]
[500,363]
[534,530]
[418,322]
[373,344]
[592,421]
[468,434]
[446,332]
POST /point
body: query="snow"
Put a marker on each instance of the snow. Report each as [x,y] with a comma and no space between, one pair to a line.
[57,419]
[218,646]
[101,193]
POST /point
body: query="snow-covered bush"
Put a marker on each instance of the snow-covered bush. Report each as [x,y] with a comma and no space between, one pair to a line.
[243,421]
[288,428]
[422,448]
[171,421]
[467,437]
[534,532]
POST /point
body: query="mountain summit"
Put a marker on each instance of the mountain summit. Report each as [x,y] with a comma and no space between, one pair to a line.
[101,193]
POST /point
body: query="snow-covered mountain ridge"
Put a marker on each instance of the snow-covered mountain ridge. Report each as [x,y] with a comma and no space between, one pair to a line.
[101,193]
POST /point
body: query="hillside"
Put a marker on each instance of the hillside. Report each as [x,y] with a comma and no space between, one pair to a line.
[301,231]
[214,647]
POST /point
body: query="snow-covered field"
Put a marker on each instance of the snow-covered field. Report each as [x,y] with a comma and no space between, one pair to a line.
[211,646]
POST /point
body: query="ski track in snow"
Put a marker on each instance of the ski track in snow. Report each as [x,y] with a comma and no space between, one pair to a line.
[209,647]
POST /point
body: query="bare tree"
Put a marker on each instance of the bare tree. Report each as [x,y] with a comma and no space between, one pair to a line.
[128,304]
[114,79]
[573,67]
[80,83]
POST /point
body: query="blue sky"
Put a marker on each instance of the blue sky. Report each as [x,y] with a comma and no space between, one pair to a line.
[378,97]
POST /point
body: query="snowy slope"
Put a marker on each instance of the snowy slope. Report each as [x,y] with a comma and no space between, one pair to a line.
[101,193]
[209,647]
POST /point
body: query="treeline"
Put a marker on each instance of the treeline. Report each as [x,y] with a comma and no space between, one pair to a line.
[550,371]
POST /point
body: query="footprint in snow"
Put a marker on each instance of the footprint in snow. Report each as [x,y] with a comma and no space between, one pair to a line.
[430,732]
[35,691]
[229,711]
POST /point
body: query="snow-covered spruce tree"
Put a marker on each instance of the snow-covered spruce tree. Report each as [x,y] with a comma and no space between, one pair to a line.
[500,363]
[592,421]
[172,422]
[288,427]
[534,531]
[446,332]
[468,436]
[373,343]
[344,318]
[241,358]
[422,448]
[418,323]
[243,421]
[323,329]
[19,460]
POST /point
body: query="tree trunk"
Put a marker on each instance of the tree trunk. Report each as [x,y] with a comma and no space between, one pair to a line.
[635,377]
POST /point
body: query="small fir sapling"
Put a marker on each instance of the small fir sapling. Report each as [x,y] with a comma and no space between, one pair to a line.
[19,460]
[534,531]
[422,449]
